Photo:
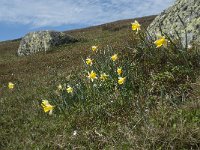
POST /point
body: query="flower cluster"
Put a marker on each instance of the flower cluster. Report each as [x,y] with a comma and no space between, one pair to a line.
[93,74]
[161,41]
[103,76]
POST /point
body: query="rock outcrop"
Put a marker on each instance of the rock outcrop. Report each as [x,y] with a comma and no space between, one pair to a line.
[42,41]
[171,20]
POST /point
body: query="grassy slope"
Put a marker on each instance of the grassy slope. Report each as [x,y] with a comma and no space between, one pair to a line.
[23,124]
[63,59]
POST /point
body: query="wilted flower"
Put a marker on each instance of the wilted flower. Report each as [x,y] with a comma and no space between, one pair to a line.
[114,57]
[89,61]
[121,80]
[92,75]
[104,76]
[189,46]
[119,71]
[161,41]
[11,85]
[47,107]
[94,48]
[74,133]
[59,87]
[69,89]
[135,26]
[94,85]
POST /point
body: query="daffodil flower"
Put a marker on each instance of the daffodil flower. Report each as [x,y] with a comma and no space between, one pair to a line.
[136,26]
[104,77]
[161,41]
[89,61]
[47,107]
[92,75]
[69,89]
[121,80]
[119,71]
[11,85]
[114,57]
[94,48]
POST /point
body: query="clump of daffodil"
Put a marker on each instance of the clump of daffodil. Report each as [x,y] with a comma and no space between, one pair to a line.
[92,75]
[47,107]
[114,57]
[160,41]
[89,61]
[11,85]
[119,71]
[59,87]
[104,76]
[94,48]
[136,26]
[121,80]
[69,89]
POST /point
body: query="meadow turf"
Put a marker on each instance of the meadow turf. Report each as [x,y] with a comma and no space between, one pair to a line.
[165,117]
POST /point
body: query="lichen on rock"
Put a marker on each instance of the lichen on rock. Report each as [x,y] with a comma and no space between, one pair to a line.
[183,16]
[42,41]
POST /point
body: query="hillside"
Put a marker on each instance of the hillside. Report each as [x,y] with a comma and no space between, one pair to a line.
[168,119]
[107,34]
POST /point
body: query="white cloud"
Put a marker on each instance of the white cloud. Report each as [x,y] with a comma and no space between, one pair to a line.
[41,13]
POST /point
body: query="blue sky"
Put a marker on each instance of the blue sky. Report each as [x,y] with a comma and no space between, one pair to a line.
[18,17]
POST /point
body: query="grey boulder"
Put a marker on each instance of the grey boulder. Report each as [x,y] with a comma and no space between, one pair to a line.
[171,21]
[42,41]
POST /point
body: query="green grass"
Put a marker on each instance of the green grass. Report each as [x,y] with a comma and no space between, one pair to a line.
[147,112]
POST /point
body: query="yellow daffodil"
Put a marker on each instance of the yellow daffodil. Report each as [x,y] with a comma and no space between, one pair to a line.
[94,48]
[59,87]
[69,89]
[11,85]
[135,26]
[47,107]
[104,77]
[92,75]
[89,61]
[114,57]
[121,80]
[119,71]
[161,41]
